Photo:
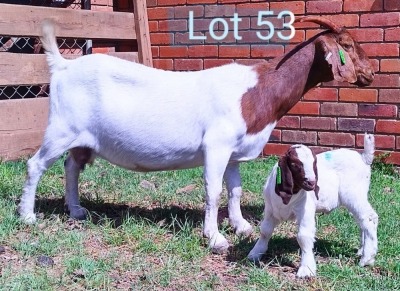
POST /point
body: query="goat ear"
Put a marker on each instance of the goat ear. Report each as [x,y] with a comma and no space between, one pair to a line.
[342,66]
[284,181]
[316,189]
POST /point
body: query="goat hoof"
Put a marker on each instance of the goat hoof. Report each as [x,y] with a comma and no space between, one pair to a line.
[78,214]
[306,272]
[219,245]
[245,229]
[28,218]
[367,262]
[254,257]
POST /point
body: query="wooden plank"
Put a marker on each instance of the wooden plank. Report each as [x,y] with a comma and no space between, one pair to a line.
[142,32]
[27,69]
[23,114]
[17,20]
[22,126]
[20,144]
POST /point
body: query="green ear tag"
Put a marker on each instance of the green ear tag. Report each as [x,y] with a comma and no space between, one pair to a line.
[342,58]
[278,176]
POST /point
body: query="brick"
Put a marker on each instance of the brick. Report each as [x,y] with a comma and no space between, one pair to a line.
[392,5]
[296,136]
[161,38]
[356,124]
[170,2]
[381,49]
[367,34]
[381,141]
[183,11]
[305,108]
[321,7]
[234,51]
[398,143]
[251,9]
[390,65]
[358,95]
[173,51]
[377,110]
[322,94]
[211,63]
[183,38]
[362,5]
[250,37]
[160,13]
[388,126]
[219,11]
[318,123]
[336,139]
[297,7]
[247,62]
[392,80]
[289,122]
[338,109]
[149,3]
[173,25]
[344,20]
[188,64]
[155,51]
[392,34]
[153,26]
[380,19]
[164,64]
[202,51]
[389,95]
[313,32]
[229,1]
[275,149]
[393,158]
[275,135]
[201,1]
[229,39]
[264,51]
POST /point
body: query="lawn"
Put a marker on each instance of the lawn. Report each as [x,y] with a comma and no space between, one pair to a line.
[144,233]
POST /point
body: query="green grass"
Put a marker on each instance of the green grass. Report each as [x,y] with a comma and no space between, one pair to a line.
[148,239]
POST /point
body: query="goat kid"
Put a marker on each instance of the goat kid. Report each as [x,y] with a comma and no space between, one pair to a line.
[145,119]
[343,178]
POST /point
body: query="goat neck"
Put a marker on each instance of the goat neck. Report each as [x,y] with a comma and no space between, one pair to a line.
[281,83]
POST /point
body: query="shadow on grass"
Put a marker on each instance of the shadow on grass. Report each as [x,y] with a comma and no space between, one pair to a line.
[279,247]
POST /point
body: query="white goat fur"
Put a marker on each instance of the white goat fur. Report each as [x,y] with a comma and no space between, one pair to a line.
[146,119]
[344,179]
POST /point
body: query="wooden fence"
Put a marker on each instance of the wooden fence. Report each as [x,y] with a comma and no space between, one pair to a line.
[22,121]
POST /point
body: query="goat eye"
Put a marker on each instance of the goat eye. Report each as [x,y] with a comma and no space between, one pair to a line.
[347,47]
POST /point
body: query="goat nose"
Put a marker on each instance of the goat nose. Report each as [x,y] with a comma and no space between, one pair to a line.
[310,183]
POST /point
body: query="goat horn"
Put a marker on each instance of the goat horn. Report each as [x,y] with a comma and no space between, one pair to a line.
[321,21]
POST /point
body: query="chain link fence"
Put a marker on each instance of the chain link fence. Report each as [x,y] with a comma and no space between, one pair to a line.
[32,45]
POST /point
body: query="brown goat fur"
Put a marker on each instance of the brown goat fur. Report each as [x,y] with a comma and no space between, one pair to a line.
[282,81]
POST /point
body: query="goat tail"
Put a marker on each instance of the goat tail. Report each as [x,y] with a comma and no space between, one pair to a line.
[369,148]
[49,42]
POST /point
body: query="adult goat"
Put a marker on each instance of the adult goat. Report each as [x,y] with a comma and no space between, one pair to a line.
[145,119]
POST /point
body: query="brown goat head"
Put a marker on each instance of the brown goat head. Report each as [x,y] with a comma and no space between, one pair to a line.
[347,59]
[297,169]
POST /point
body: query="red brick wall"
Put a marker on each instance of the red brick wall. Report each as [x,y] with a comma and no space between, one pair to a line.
[334,115]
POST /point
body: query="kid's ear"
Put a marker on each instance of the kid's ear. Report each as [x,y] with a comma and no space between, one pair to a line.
[339,60]
[284,181]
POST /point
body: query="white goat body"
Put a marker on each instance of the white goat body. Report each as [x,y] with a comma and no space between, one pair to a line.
[343,180]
